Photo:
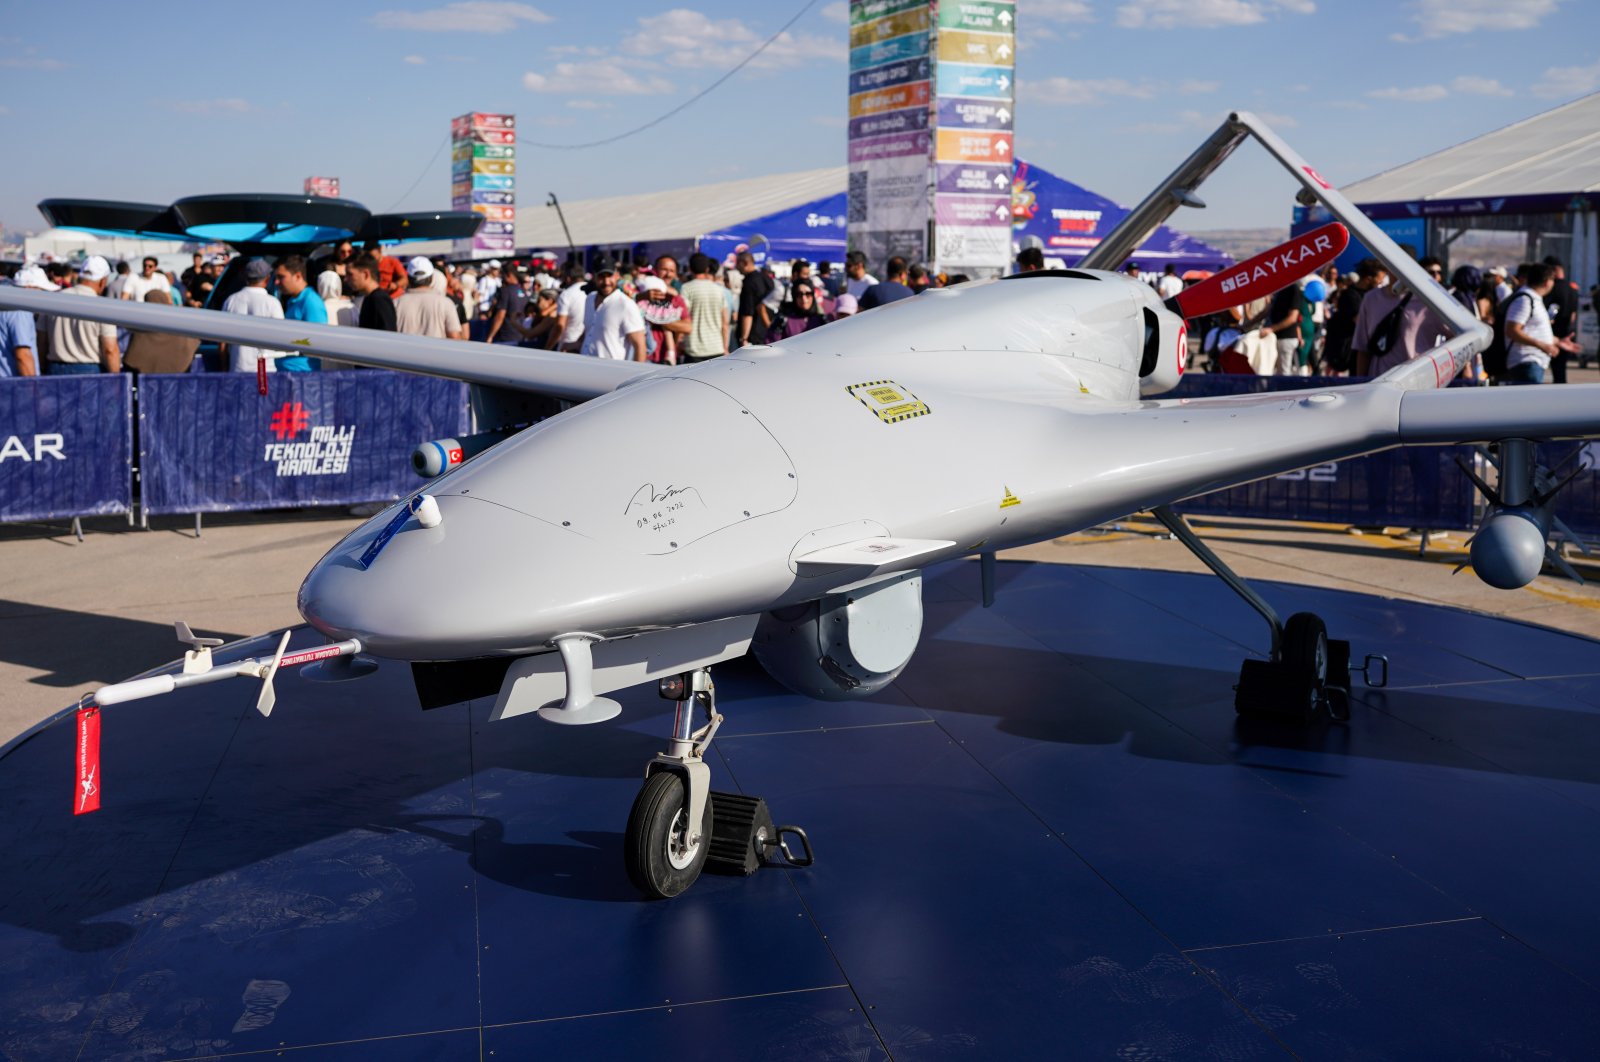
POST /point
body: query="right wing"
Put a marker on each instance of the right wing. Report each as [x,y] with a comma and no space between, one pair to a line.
[545,372]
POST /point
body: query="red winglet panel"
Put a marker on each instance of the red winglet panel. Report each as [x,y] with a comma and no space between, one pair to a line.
[1264,274]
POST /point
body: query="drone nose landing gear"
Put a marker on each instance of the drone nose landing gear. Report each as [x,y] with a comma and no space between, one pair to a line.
[678,826]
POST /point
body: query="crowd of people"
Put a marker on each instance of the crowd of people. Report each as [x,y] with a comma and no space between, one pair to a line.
[671,312]
[1364,323]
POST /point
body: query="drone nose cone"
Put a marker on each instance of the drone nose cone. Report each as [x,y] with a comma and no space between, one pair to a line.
[1508,551]
[464,587]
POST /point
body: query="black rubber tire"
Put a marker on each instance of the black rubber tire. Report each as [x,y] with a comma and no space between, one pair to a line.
[1305,646]
[645,846]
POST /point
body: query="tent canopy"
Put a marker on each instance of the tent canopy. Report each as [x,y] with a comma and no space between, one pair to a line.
[814,230]
[1069,221]
[1535,165]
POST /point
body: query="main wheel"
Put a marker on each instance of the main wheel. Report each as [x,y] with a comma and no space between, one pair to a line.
[661,860]
[1305,651]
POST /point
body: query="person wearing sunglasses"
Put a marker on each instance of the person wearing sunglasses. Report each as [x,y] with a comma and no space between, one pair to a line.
[800,314]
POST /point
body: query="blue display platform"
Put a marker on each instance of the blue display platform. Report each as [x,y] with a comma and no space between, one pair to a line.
[1051,838]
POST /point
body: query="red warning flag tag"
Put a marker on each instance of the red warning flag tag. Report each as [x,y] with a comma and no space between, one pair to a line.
[1265,274]
[261,374]
[87,796]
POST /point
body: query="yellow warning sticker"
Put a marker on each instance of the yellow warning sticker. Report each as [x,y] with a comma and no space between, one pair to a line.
[888,401]
[1009,500]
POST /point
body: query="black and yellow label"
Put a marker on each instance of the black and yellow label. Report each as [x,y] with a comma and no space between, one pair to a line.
[888,401]
[1009,500]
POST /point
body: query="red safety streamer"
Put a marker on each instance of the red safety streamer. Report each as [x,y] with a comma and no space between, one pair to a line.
[87,796]
[261,374]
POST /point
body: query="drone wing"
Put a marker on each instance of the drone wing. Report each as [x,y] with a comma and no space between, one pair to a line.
[1180,448]
[511,368]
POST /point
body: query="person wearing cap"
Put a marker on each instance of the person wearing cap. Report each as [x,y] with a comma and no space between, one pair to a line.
[300,303]
[489,284]
[510,306]
[426,311]
[614,327]
[667,316]
[252,300]
[78,346]
[844,306]
[18,339]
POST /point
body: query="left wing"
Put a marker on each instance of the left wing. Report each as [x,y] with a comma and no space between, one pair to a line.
[545,372]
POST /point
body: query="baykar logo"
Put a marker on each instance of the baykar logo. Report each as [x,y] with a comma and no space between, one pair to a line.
[327,453]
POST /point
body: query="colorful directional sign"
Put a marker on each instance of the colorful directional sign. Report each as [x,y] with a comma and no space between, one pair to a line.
[483,179]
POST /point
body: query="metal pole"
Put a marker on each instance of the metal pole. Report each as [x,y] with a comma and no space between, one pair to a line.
[571,247]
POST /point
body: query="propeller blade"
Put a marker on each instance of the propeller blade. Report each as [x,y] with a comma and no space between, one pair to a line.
[1263,275]
[268,696]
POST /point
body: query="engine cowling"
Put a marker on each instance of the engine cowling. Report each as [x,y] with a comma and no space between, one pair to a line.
[844,645]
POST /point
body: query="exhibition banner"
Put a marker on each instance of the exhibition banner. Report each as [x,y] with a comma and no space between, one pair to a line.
[211,443]
[66,446]
[888,142]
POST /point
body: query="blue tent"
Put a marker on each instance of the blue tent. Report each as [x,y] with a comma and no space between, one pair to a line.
[1070,220]
[814,230]
[1067,219]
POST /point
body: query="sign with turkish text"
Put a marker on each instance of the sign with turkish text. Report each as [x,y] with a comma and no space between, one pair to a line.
[911,19]
[959,145]
[989,16]
[871,10]
[988,49]
[911,119]
[66,446]
[964,178]
[892,99]
[911,46]
[963,79]
[893,146]
[958,113]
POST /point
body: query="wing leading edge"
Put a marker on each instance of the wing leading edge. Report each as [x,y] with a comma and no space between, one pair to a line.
[543,372]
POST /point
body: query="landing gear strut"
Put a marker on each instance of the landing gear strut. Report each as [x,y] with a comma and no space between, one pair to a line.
[1307,672]
[678,826]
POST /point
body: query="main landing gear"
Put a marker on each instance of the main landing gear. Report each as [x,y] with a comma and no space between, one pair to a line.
[1308,672]
[678,826]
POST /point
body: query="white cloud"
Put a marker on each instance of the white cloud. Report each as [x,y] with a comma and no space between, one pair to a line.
[1441,18]
[221,105]
[1058,11]
[1191,87]
[599,77]
[416,60]
[1072,91]
[839,11]
[1561,82]
[30,62]
[1204,14]
[686,38]
[465,16]
[1466,85]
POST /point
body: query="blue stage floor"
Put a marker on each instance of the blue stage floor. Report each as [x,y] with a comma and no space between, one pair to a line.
[1050,839]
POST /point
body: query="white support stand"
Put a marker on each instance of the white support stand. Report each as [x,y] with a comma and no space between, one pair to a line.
[580,706]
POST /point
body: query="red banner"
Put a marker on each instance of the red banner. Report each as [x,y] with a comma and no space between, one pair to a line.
[1266,273]
[86,798]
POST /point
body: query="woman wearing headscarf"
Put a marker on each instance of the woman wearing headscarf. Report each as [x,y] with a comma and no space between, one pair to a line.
[159,351]
[341,311]
[800,314]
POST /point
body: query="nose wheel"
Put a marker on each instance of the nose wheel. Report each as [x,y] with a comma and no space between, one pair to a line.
[673,830]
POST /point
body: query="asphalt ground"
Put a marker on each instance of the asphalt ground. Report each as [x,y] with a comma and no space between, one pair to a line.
[78,614]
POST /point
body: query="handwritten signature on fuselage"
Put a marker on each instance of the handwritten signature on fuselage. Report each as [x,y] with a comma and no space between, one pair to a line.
[648,495]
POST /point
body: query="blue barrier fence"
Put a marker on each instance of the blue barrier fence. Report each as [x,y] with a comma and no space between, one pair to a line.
[66,447]
[210,443]
[1418,487]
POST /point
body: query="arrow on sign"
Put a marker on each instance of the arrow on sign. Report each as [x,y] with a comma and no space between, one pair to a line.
[999,180]
[1001,147]
[1003,51]
[1003,114]
[1005,18]
[1004,82]
[1000,211]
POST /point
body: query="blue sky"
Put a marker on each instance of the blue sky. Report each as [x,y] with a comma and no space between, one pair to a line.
[122,102]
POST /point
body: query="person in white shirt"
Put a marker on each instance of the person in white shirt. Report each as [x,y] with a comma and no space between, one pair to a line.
[151,279]
[489,283]
[614,327]
[252,300]
[571,307]
[1169,283]
[855,267]
[1530,340]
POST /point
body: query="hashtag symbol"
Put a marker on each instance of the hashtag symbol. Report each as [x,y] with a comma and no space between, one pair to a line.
[289,420]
